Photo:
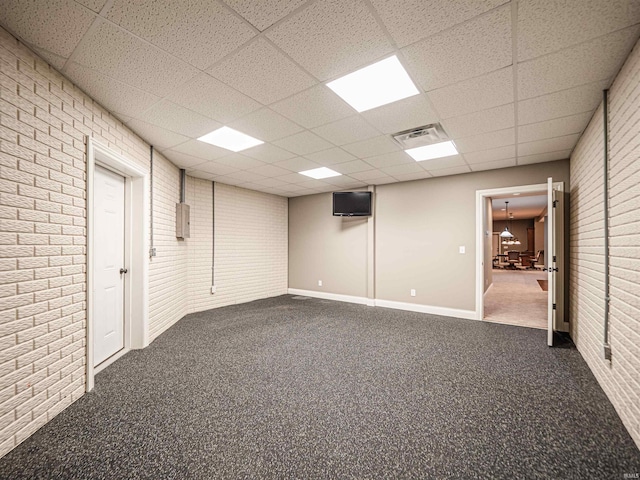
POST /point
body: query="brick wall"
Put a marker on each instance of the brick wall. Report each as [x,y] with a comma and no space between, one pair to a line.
[44,121]
[251,247]
[619,378]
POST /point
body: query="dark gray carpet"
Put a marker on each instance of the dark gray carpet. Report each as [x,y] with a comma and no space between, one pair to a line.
[286,388]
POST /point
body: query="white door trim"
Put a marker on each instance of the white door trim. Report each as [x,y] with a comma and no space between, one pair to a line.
[480,197]
[136,296]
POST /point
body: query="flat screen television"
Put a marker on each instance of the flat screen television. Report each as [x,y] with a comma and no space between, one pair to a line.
[351,204]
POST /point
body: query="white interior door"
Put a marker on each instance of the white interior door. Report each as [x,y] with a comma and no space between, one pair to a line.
[108,325]
[550,259]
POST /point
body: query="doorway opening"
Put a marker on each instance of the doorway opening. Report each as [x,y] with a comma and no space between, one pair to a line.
[117,264]
[517,292]
[520,258]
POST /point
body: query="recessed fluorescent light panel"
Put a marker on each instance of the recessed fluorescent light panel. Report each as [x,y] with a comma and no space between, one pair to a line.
[230,139]
[319,173]
[383,82]
[435,150]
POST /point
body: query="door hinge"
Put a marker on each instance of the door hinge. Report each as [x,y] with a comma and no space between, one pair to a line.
[555,203]
[554,306]
[554,259]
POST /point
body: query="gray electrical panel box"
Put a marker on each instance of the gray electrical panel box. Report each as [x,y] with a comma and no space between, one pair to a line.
[182,220]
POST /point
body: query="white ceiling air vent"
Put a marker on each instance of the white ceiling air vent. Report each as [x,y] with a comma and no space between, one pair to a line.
[421,136]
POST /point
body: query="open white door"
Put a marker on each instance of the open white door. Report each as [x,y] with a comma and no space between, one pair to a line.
[551,257]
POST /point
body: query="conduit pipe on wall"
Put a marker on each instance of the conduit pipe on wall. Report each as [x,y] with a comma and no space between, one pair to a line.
[606,347]
[213,236]
[183,177]
[152,250]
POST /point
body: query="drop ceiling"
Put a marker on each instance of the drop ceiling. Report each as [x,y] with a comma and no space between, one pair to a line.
[512,82]
[521,207]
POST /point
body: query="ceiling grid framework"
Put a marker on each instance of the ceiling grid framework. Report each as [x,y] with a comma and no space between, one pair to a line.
[512,82]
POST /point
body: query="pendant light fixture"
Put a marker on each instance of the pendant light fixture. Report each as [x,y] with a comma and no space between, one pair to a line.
[506,233]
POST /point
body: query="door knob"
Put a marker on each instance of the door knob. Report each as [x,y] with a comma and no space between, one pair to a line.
[123,270]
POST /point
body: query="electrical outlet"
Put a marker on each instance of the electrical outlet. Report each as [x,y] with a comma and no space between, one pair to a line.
[461,248]
[413,292]
[319,283]
[213,289]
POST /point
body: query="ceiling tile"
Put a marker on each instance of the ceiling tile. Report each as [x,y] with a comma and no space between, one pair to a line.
[481,93]
[476,47]
[488,140]
[237,160]
[366,175]
[293,178]
[262,72]
[268,153]
[178,119]
[450,171]
[55,25]
[560,104]
[297,164]
[549,145]
[588,62]
[382,180]
[200,32]
[506,163]
[440,163]
[554,128]
[403,169]
[95,5]
[227,180]
[264,13]
[404,114]
[316,184]
[332,37]
[269,171]
[303,143]
[313,107]
[216,168]
[265,125]
[545,26]
[372,146]
[497,118]
[114,95]
[212,98]
[330,156]
[245,176]
[544,157]
[347,130]
[118,54]
[199,149]
[351,167]
[389,160]
[345,182]
[183,160]
[407,177]
[271,182]
[413,20]
[491,155]
[159,137]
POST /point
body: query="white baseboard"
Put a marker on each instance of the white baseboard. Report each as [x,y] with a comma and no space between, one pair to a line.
[415,307]
[412,307]
[332,296]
